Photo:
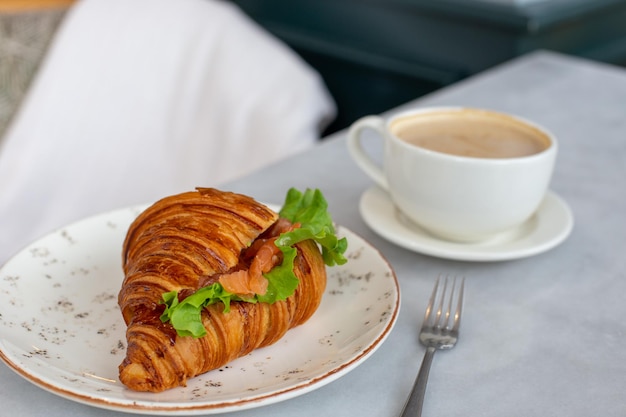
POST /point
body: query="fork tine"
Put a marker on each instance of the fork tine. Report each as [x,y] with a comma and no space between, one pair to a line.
[449,309]
[459,307]
[431,303]
[440,313]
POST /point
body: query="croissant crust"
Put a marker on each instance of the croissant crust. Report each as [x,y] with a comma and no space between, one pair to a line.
[171,246]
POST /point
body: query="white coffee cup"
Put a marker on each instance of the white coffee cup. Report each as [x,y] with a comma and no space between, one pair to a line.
[463,174]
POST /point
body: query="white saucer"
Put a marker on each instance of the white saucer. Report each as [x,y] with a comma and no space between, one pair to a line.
[550,226]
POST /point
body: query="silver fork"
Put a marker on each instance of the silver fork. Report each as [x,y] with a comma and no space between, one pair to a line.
[440,330]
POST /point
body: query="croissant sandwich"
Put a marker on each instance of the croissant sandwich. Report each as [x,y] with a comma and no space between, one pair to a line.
[212,275]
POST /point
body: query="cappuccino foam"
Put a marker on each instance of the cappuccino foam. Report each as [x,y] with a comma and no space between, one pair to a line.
[471,133]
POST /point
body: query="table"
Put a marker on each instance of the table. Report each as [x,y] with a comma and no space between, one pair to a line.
[541,335]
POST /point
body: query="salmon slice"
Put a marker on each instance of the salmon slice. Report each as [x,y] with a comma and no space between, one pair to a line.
[265,259]
[243,283]
[265,256]
[248,282]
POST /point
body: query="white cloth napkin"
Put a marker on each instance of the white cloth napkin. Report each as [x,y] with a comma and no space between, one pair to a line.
[138,99]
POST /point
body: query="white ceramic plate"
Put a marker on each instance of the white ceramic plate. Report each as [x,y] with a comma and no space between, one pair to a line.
[61,328]
[547,228]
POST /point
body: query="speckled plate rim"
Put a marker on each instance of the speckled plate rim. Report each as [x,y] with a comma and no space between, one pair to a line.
[366,288]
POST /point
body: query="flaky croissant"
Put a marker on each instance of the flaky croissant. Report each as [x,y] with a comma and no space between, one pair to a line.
[181,243]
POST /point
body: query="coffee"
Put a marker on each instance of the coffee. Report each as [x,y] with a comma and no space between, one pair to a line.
[471,133]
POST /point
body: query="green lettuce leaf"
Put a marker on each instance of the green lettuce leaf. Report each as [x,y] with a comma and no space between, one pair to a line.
[185,315]
[310,210]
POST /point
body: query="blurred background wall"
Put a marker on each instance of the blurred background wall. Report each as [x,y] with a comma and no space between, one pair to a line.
[372,54]
[377,54]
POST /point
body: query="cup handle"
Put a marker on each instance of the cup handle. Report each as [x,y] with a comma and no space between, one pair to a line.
[358,152]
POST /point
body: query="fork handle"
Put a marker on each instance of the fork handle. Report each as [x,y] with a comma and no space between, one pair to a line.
[413,406]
